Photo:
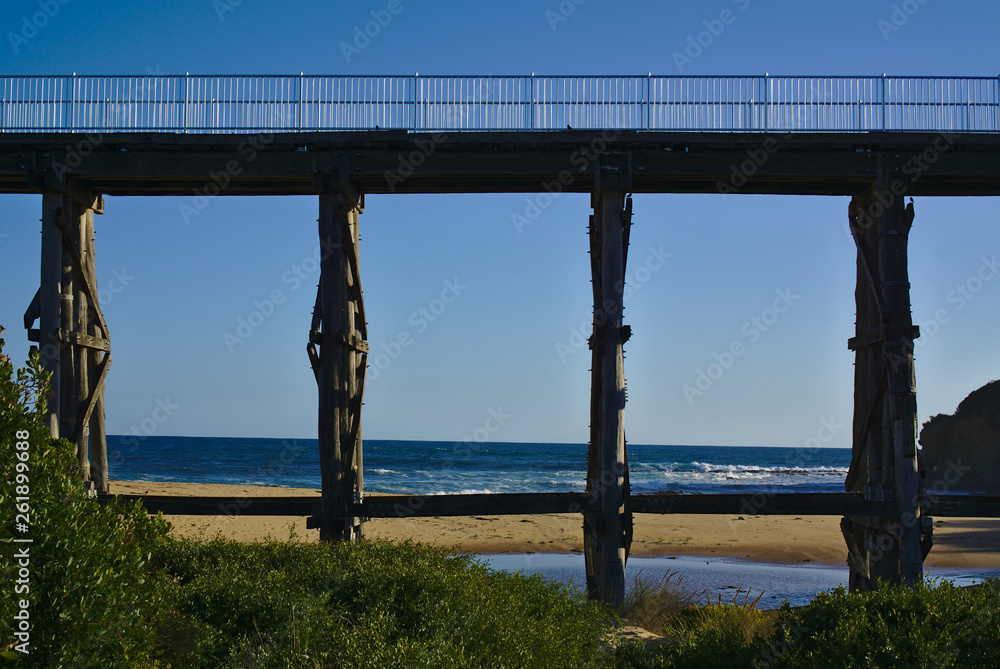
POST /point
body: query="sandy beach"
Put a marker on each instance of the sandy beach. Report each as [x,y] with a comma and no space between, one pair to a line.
[959,542]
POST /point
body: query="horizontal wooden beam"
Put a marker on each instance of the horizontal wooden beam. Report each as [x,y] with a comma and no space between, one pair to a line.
[398,161]
[221,506]
[964,506]
[80,339]
[776,504]
[404,506]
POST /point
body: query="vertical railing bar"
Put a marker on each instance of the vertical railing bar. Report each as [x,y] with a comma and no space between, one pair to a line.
[767,102]
[996,102]
[531,107]
[184,102]
[882,95]
[72,103]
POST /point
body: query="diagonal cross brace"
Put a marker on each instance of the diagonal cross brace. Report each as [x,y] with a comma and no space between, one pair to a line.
[868,262]
[861,439]
[79,269]
[91,400]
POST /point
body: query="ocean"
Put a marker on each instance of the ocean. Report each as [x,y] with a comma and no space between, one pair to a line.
[439,467]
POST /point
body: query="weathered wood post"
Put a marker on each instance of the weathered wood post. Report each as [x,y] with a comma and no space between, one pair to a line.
[73,337]
[81,325]
[339,365]
[358,359]
[98,359]
[68,388]
[894,230]
[50,305]
[606,531]
[591,543]
[884,459]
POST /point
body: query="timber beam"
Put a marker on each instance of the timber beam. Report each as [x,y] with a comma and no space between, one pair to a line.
[862,511]
[379,162]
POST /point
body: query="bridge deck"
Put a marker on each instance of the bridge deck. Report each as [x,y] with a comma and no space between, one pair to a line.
[400,161]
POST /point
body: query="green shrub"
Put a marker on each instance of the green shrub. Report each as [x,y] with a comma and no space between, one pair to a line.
[376,604]
[930,625]
[94,601]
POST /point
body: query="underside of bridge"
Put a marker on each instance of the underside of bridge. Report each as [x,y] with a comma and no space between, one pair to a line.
[886,523]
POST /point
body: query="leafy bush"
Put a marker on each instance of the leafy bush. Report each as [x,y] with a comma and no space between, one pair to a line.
[931,625]
[376,605]
[94,601]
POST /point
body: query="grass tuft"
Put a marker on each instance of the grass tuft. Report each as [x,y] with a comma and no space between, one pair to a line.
[653,605]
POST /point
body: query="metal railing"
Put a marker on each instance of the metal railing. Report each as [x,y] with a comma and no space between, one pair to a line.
[308,103]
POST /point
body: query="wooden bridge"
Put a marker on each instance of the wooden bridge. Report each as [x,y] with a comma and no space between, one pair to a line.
[874,139]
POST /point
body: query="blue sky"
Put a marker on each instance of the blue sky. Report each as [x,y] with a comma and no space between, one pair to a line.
[507,341]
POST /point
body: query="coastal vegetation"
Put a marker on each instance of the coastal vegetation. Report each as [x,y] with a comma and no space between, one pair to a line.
[108,587]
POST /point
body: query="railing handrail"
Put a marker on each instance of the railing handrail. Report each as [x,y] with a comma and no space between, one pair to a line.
[528,75]
[414,102]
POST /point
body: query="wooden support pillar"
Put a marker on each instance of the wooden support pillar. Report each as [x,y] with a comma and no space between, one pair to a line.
[81,324]
[68,388]
[73,338]
[340,331]
[50,305]
[884,460]
[95,357]
[606,532]
[357,361]
[894,230]
[591,543]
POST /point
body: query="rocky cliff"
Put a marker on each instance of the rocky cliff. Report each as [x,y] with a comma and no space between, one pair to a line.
[961,452]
